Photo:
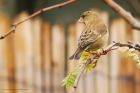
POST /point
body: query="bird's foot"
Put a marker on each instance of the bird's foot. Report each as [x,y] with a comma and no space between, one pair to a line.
[93,57]
[93,53]
[100,52]
[104,52]
[97,54]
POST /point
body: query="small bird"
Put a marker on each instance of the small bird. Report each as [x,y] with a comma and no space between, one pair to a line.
[94,35]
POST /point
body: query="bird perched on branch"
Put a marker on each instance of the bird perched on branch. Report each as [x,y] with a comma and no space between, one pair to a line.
[94,35]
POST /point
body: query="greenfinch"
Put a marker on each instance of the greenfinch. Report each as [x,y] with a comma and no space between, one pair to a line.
[94,35]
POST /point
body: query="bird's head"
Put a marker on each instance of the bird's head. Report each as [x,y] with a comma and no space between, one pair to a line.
[88,16]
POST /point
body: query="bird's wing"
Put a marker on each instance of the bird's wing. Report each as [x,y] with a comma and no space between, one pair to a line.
[91,35]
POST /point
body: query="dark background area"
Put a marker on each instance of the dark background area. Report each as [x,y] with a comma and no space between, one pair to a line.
[69,13]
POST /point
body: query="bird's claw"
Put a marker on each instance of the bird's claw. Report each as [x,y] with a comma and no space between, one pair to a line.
[101,52]
[98,53]
[104,52]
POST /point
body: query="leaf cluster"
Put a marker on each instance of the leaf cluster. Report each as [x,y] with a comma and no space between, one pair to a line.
[68,81]
[71,77]
[134,56]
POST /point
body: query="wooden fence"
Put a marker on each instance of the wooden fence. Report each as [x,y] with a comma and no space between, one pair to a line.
[34,59]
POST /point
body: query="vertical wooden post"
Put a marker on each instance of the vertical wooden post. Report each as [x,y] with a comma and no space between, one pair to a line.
[46,56]
[71,45]
[7,80]
[126,69]
[136,39]
[37,61]
[58,57]
[114,56]
[23,45]
[121,70]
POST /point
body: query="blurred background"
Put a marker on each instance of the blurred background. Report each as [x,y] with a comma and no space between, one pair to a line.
[35,58]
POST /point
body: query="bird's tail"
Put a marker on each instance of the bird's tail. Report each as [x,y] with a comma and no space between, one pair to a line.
[76,55]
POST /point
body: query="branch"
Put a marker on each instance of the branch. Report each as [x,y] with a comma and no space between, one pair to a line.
[15,25]
[129,45]
[126,15]
[104,52]
[79,74]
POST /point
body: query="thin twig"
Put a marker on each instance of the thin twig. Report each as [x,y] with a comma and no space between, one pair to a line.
[130,45]
[126,15]
[79,75]
[14,26]
[104,52]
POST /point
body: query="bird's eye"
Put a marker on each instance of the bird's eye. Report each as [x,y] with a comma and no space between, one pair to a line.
[83,16]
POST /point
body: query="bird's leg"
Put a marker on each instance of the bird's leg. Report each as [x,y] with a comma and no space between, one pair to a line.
[104,52]
[92,58]
[93,53]
[90,55]
[100,52]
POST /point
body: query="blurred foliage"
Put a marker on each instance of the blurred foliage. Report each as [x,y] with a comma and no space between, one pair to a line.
[134,56]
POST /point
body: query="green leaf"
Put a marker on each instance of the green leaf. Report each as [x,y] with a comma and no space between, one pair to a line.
[131,53]
[84,56]
[90,67]
[135,58]
[69,80]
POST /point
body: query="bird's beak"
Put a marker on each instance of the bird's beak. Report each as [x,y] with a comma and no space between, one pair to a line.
[80,20]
